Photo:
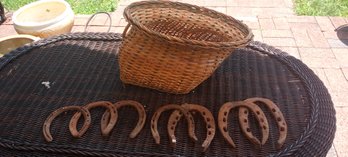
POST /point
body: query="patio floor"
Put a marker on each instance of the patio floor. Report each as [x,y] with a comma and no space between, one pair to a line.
[311,39]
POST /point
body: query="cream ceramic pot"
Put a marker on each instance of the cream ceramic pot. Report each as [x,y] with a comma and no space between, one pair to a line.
[44,18]
[10,43]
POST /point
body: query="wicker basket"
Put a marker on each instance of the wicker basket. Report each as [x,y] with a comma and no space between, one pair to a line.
[173,47]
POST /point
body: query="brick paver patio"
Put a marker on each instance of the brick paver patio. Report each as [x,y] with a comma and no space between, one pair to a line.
[308,38]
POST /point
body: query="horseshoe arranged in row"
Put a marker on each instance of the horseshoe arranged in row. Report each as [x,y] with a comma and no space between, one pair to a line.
[245,127]
[54,114]
[205,113]
[157,114]
[223,117]
[104,129]
[110,117]
[105,122]
[278,116]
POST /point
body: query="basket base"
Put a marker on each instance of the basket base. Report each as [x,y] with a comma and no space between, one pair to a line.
[157,87]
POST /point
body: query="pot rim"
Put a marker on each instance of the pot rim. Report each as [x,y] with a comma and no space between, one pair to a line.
[33,38]
[41,24]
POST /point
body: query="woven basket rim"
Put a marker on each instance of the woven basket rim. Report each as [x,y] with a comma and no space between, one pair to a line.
[232,44]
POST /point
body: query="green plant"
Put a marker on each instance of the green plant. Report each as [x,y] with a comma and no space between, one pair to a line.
[92,6]
[322,7]
[15,4]
[79,6]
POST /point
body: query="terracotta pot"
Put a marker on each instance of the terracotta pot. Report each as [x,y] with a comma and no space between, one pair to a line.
[10,43]
[44,18]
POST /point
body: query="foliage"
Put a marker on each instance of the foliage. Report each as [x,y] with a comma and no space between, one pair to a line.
[322,7]
[79,6]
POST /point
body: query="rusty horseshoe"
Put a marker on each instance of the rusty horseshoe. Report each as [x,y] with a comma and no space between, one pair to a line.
[244,125]
[105,130]
[141,112]
[278,116]
[223,116]
[163,108]
[205,113]
[54,114]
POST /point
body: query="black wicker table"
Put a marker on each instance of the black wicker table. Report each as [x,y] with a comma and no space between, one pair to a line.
[80,68]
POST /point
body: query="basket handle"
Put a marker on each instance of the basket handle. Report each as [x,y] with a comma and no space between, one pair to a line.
[90,18]
[125,30]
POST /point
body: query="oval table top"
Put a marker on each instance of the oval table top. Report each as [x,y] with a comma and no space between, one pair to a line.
[79,68]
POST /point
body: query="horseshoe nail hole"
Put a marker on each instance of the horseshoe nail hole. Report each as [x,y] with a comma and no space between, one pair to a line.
[225,129]
[258,112]
[273,110]
[245,112]
[282,129]
[225,113]
[262,120]
[209,132]
[279,119]
[208,119]
[174,123]
[153,126]
[171,128]
[177,118]
[203,113]
[245,120]
[191,118]
[224,120]
[264,127]
[208,126]
[180,113]
[248,129]
[283,123]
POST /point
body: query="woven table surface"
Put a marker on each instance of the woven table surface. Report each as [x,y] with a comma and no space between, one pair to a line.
[83,67]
